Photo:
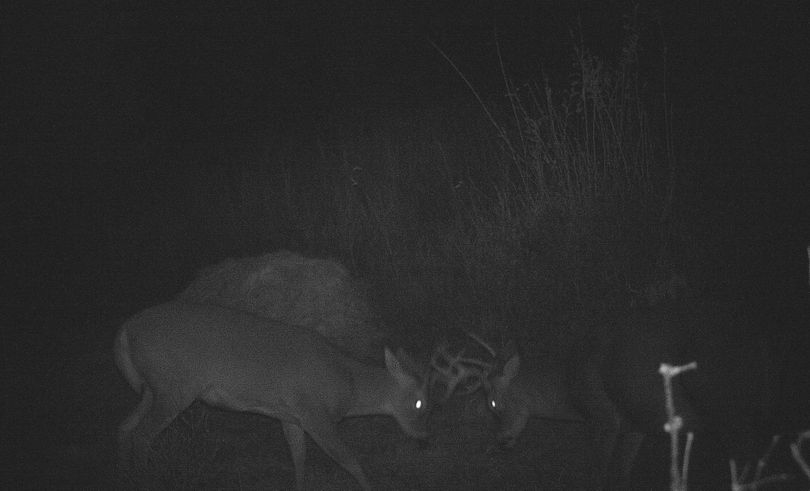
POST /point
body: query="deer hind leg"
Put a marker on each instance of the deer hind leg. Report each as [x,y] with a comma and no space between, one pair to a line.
[296,439]
[149,419]
[603,420]
[324,433]
[623,459]
[605,426]
[125,430]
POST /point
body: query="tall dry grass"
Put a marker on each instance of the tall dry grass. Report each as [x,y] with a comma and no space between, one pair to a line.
[495,213]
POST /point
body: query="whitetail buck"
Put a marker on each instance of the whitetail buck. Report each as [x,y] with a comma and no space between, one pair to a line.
[539,390]
[615,388]
[175,353]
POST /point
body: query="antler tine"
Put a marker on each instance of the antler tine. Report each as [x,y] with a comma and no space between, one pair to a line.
[480,341]
[456,368]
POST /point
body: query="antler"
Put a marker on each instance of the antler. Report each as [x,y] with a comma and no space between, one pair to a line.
[456,368]
[480,341]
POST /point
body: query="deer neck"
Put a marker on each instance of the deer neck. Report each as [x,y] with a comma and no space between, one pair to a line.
[373,386]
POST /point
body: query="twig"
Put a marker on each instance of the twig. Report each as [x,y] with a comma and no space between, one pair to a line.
[738,480]
[796,450]
[475,93]
[678,476]
[763,461]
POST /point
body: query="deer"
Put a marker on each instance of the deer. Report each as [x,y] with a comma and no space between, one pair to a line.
[176,353]
[538,390]
[611,384]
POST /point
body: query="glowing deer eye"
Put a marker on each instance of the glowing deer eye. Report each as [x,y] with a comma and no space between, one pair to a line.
[492,403]
[418,404]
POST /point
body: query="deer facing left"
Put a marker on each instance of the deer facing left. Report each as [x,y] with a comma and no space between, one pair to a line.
[176,353]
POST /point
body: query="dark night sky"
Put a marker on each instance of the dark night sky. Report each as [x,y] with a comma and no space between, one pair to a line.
[731,65]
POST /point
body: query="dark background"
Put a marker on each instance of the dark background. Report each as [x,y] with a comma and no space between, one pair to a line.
[109,105]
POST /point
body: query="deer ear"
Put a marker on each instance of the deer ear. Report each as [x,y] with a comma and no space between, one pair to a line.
[510,369]
[395,368]
[409,365]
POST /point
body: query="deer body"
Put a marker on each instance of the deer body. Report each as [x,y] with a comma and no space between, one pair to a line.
[176,353]
[607,391]
[613,384]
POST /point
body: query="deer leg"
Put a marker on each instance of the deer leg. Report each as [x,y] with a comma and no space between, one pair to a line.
[163,410]
[324,433]
[125,442]
[298,448]
[602,418]
[624,456]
